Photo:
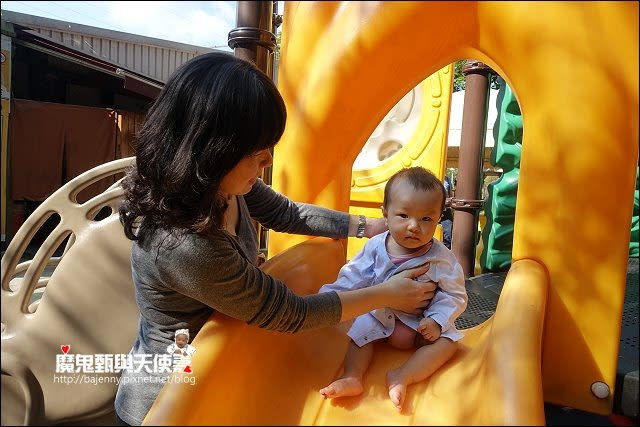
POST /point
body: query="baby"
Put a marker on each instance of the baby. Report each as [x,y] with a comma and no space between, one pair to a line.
[181,346]
[414,200]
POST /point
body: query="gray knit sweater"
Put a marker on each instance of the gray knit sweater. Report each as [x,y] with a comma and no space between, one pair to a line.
[181,279]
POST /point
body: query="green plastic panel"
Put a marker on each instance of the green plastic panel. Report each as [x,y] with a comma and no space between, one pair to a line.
[633,243]
[500,207]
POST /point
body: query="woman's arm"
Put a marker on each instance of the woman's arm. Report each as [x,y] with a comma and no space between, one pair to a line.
[358,294]
[275,211]
[212,271]
[400,292]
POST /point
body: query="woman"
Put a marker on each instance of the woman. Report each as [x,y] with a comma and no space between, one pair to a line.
[188,206]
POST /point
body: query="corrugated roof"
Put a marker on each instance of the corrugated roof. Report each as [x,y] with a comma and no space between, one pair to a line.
[132,81]
[148,56]
[54,24]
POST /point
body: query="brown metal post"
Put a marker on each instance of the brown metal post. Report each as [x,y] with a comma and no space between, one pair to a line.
[469,185]
[253,39]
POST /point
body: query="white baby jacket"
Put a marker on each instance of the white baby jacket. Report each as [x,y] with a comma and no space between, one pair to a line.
[372,266]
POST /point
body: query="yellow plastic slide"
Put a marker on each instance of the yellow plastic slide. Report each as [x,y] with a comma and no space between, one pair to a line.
[574,67]
[247,376]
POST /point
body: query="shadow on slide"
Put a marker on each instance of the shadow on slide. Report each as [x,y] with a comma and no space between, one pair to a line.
[248,376]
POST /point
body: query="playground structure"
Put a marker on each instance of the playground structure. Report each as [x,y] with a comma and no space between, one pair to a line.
[556,328]
[569,127]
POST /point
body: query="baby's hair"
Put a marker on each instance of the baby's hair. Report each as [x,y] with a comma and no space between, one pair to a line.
[184,332]
[420,178]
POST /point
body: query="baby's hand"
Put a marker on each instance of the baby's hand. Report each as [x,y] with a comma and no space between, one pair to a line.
[429,328]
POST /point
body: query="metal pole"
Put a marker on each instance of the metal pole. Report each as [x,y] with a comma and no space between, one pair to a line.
[466,202]
[253,38]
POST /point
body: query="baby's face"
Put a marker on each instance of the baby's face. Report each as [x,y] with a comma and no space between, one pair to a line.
[181,340]
[412,215]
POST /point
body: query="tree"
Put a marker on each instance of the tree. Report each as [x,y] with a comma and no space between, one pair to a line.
[276,54]
[458,76]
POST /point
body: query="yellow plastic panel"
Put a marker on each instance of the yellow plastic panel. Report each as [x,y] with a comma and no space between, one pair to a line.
[248,376]
[570,216]
[577,87]
[426,147]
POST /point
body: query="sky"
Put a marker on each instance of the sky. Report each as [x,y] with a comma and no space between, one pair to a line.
[201,23]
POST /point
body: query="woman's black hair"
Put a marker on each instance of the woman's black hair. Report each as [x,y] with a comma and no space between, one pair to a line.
[214,110]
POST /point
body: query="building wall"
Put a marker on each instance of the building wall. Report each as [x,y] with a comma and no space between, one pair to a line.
[149,56]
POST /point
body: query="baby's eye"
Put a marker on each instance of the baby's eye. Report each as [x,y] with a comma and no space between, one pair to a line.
[404,216]
[426,218]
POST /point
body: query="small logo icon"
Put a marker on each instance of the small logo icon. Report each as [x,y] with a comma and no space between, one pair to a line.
[182,351]
[65,348]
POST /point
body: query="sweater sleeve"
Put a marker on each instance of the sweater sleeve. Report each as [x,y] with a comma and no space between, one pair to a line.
[277,212]
[212,271]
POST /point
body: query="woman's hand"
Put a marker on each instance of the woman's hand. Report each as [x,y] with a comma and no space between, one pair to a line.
[401,292]
[409,295]
[372,226]
[375,226]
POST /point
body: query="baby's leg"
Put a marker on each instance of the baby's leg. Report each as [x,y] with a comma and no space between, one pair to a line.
[356,363]
[402,337]
[424,362]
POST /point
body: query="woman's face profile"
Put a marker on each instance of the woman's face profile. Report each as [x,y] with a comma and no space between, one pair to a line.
[243,175]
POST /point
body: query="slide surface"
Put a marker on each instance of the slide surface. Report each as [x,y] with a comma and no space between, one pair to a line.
[248,376]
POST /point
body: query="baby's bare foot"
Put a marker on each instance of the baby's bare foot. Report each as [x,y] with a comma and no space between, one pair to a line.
[349,386]
[397,388]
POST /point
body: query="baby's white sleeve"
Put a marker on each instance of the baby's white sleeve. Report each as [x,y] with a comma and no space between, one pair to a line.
[450,299]
[356,274]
